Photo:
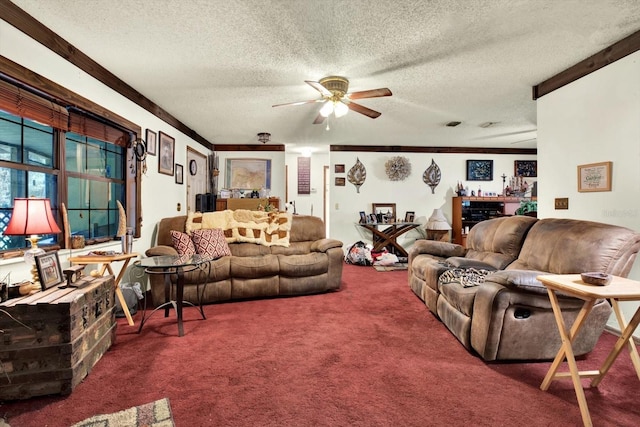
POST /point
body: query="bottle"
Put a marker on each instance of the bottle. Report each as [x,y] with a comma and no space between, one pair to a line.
[479,192]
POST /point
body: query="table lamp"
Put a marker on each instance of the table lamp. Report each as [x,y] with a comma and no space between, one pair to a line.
[437,226]
[32,216]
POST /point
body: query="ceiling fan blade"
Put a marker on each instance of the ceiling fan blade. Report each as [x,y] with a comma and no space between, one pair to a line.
[317,86]
[363,110]
[319,119]
[312,101]
[373,93]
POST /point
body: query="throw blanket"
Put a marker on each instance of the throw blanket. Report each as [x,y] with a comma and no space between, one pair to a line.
[241,225]
[467,277]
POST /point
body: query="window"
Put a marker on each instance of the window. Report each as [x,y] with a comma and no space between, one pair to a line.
[26,169]
[95,180]
[72,157]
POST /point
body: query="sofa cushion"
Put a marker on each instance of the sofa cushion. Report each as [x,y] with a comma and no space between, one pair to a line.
[210,243]
[498,241]
[182,243]
[305,265]
[254,267]
[569,246]
[458,296]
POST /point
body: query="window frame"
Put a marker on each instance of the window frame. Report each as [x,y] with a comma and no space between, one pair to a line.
[39,86]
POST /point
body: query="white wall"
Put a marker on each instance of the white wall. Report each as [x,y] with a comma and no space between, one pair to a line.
[411,194]
[160,193]
[594,119]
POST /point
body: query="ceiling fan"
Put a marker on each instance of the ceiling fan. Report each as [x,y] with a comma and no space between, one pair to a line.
[337,100]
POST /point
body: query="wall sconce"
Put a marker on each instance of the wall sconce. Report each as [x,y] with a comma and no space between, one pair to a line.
[264,137]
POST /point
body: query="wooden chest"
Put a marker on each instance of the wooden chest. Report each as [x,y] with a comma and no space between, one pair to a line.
[64,332]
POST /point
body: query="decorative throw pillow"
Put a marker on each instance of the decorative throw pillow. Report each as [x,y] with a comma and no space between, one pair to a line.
[182,242]
[210,242]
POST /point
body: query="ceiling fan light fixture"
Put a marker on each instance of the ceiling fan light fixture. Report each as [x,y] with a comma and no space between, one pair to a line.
[326,109]
[264,137]
[340,109]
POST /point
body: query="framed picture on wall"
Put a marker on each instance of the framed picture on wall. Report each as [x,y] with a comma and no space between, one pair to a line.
[525,168]
[179,174]
[479,170]
[248,174]
[151,142]
[594,177]
[167,154]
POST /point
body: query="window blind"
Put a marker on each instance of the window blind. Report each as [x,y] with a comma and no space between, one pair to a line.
[28,105]
[87,126]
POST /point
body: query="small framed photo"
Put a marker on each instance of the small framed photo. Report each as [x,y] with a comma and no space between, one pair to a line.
[363,217]
[594,177]
[525,168]
[372,218]
[409,216]
[479,170]
[167,151]
[151,142]
[49,270]
[340,182]
[339,168]
[179,174]
[382,210]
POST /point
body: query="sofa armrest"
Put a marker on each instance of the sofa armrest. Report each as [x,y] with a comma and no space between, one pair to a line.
[323,245]
[161,250]
[436,248]
[525,280]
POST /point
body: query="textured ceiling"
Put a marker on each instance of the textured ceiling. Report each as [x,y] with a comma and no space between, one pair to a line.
[219,65]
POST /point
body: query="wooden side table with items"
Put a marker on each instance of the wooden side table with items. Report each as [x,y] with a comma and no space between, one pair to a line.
[106,260]
[619,289]
[52,339]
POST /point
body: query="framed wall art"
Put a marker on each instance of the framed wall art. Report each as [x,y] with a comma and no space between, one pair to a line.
[167,153]
[151,138]
[248,174]
[49,270]
[525,168]
[339,168]
[594,177]
[479,170]
[179,174]
[340,182]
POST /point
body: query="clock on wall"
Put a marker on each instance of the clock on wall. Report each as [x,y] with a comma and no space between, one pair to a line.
[193,167]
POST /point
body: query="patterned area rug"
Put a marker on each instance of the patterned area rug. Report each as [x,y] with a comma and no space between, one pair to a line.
[394,267]
[154,414]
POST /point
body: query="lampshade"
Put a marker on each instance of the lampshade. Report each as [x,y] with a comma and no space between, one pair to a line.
[326,109]
[31,216]
[437,221]
[340,109]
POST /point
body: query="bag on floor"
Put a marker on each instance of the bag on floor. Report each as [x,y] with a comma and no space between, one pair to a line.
[358,254]
[132,293]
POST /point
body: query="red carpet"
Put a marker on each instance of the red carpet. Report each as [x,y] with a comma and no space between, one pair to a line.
[368,355]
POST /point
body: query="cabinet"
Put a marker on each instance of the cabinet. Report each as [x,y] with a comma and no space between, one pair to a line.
[468,211]
[246,203]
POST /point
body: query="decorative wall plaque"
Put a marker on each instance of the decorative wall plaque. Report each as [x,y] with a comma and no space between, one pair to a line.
[432,176]
[357,174]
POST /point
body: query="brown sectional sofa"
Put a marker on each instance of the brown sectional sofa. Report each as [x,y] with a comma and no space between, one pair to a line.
[310,264]
[509,316]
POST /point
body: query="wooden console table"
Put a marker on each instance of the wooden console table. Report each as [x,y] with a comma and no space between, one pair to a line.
[106,261]
[388,235]
[620,289]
